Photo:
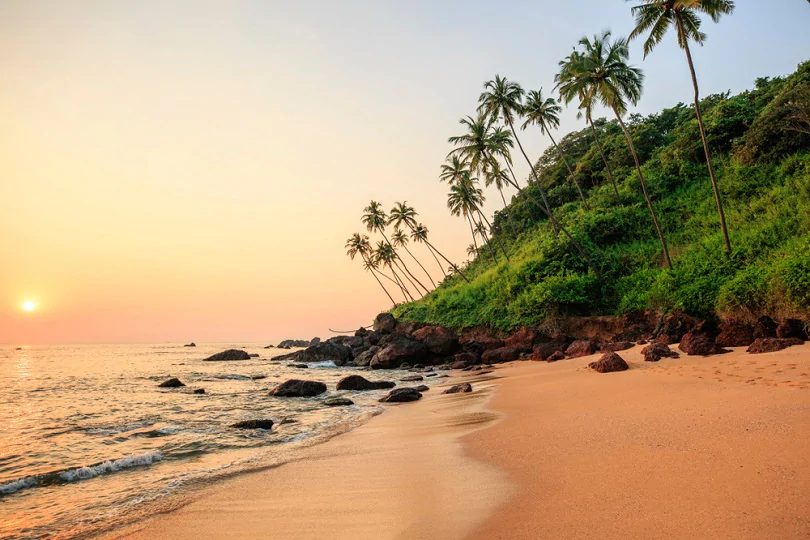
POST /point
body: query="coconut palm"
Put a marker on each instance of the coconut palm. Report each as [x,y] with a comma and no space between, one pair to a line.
[400,239]
[545,113]
[655,17]
[602,75]
[464,199]
[419,234]
[402,214]
[375,220]
[585,109]
[472,251]
[358,244]
[385,255]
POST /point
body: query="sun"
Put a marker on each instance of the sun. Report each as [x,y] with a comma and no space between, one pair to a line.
[29,305]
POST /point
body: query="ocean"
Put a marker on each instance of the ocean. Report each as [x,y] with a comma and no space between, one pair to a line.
[88,440]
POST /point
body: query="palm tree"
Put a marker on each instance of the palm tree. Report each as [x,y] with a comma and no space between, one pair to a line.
[400,239]
[402,214]
[603,75]
[545,112]
[472,250]
[498,177]
[586,107]
[503,99]
[358,244]
[419,234]
[385,255]
[464,199]
[375,219]
[656,17]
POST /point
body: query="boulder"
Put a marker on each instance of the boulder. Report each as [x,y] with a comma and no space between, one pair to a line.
[735,334]
[609,362]
[498,356]
[401,395]
[199,391]
[358,383]
[192,344]
[556,356]
[542,351]
[438,339]
[791,328]
[412,378]
[406,327]
[672,328]
[253,424]
[229,355]
[299,366]
[466,358]
[765,345]
[523,339]
[361,332]
[174,382]
[385,323]
[459,389]
[581,347]
[327,352]
[254,355]
[699,343]
[402,350]
[269,346]
[338,402]
[765,327]
[290,343]
[421,388]
[614,346]
[656,351]
[299,388]
[258,376]
[364,358]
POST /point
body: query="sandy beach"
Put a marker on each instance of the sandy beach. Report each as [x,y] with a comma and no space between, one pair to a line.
[696,447]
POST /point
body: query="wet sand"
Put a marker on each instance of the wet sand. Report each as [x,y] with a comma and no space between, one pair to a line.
[695,447]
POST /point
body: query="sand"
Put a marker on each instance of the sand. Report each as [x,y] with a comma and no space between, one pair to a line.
[715,447]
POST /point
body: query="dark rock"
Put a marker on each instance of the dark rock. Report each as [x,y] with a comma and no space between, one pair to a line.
[299,388]
[290,343]
[432,375]
[697,343]
[542,351]
[403,349]
[459,389]
[642,342]
[174,382]
[459,364]
[364,358]
[361,332]
[765,327]
[327,352]
[401,395]
[479,341]
[468,358]
[258,377]
[384,323]
[230,354]
[405,365]
[406,327]
[358,383]
[199,391]
[421,388]
[253,424]
[523,340]
[791,328]
[288,421]
[299,366]
[556,356]
[765,345]
[656,351]
[270,347]
[374,338]
[735,334]
[254,355]
[615,346]
[581,347]
[192,344]
[609,362]
[412,378]
[338,402]
[498,356]
[672,328]
[314,341]
[438,339]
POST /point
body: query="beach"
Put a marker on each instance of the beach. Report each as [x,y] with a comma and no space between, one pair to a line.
[697,447]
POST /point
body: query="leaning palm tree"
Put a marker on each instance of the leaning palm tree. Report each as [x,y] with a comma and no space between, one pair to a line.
[375,220]
[656,17]
[419,234]
[464,200]
[400,239]
[402,214]
[602,75]
[545,113]
[358,244]
[472,251]
[385,255]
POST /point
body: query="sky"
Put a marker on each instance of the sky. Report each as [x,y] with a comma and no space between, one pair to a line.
[191,170]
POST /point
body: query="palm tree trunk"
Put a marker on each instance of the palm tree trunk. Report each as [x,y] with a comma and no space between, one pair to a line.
[554,225]
[604,159]
[484,218]
[395,282]
[407,271]
[472,231]
[407,276]
[373,273]
[534,173]
[508,213]
[420,265]
[402,284]
[456,268]
[706,145]
[437,262]
[570,171]
[644,189]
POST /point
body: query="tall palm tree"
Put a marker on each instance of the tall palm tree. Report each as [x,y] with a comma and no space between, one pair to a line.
[402,214]
[602,75]
[464,200]
[385,255]
[656,17]
[419,234]
[545,113]
[503,99]
[400,239]
[586,109]
[498,177]
[375,220]
[358,244]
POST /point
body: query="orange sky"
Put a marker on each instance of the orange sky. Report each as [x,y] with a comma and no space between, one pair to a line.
[190,170]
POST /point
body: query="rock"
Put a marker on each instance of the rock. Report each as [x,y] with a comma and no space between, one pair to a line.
[174,382]
[697,343]
[299,388]
[459,364]
[338,402]
[558,355]
[361,332]
[642,342]
[735,334]
[288,421]
[358,383]
[402,350]
[229,355]
[401,395]
[254,355]
[765,327]
[542,351]
[498,356]
[765,345]
[468,358]
[438,339]
[364,358]
[412,378]
[253,424]
[421,388]
[791,328]
[405,365]
[581,347]
[523,340]
[269,346]
[656,351]
[406,327]
[192,344]
[615,346]
[326,352]
[258,377]
[432,375]
[609,363]
[384,323]
[199,391]
[672,328]
[459,389]
[314,341]
[290,343]
[299,366]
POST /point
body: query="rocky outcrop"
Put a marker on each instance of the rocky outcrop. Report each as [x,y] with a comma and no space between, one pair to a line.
[438,339]
[523,340]
[406,327]
[399,351]
[765,345]
[227,356]
[581,347]
[465,359]
[614,346]
[412,378]
[338,402]
[327,352]
[609,363]
[765,327]
[290,343]
[299,388]
[459,389]
[358,383]
[199,391]
[656,351]
[174,382]
[401,395]
[735,334]
[385,323]
[192,344]
[478,341]
[699,343]
[364,358]
[791,328]
[672,328]
[556,356]
[542,351]
[501,355]
[253,424]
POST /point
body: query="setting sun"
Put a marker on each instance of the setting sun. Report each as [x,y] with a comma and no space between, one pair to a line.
[29,305]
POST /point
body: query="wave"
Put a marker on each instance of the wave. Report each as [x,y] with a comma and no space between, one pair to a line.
[67,476]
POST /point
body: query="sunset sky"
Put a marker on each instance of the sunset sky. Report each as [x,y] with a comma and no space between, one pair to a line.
[191,170]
